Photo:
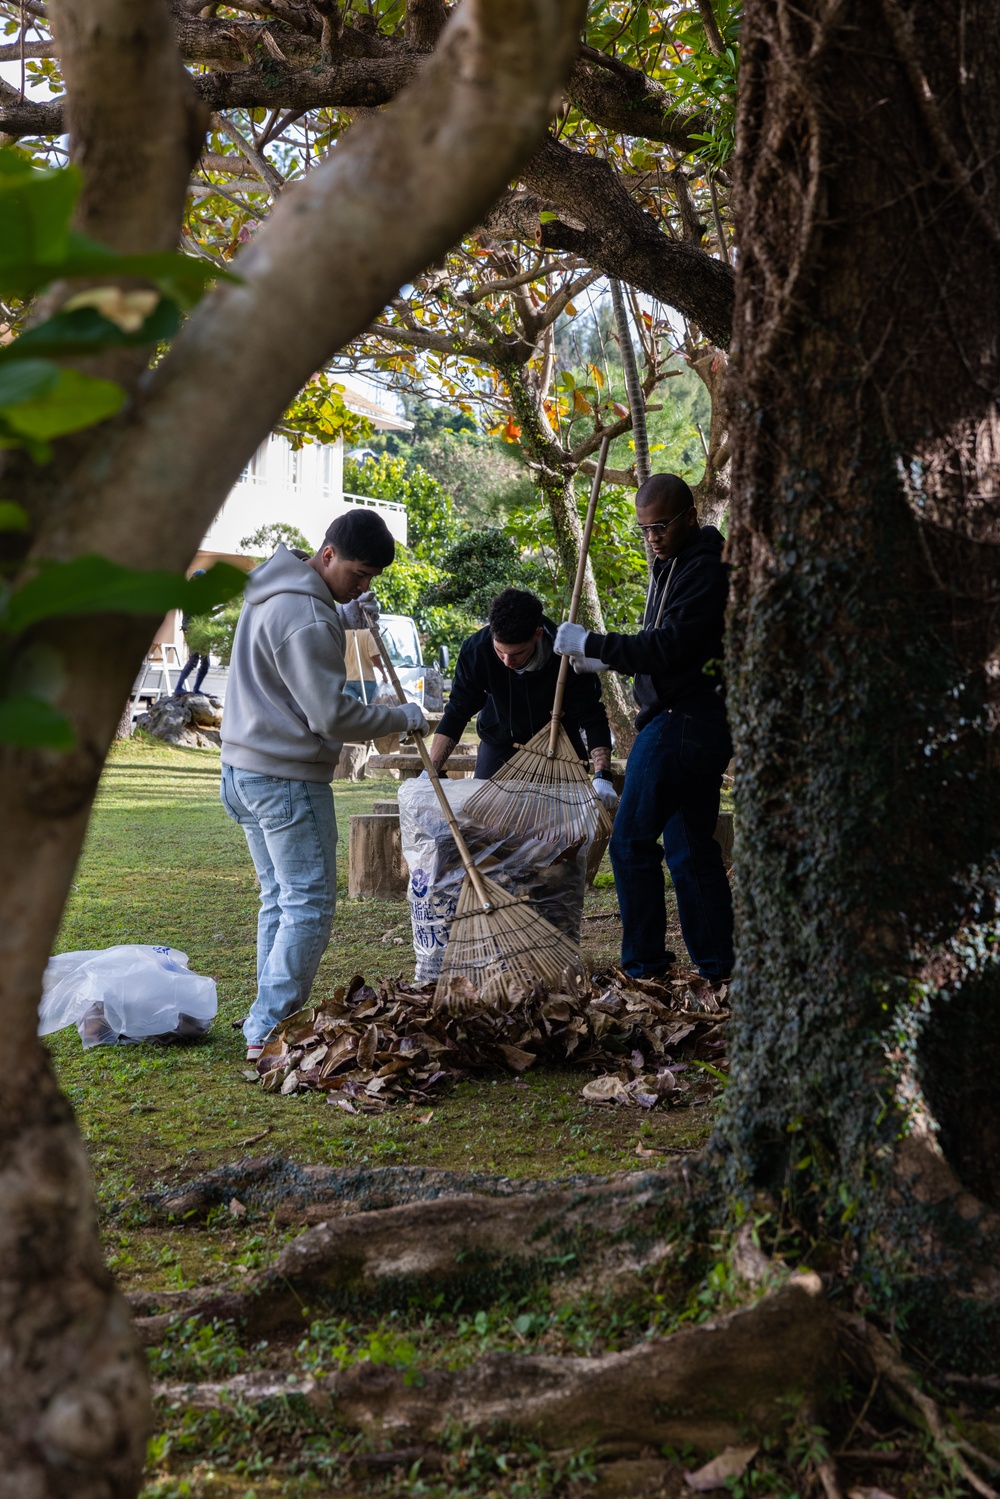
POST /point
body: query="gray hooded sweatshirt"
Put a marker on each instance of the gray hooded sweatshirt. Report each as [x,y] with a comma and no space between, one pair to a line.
[286,711]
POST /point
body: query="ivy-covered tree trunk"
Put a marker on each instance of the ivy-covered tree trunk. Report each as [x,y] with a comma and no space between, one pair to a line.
[864,618]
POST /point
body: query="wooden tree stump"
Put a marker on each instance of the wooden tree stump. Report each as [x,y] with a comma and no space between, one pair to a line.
[352,762]
[376,868]
[391,807]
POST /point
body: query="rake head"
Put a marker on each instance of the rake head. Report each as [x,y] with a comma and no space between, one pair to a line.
[500,949]
[542,796]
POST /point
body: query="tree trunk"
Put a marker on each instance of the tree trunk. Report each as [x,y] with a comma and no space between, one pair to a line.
[74,1420]
[865,511]
[376,870]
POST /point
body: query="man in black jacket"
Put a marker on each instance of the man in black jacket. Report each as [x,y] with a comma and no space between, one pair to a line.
[507,673]
[674,773]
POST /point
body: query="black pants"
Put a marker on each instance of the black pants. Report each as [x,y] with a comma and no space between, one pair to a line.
[672,785]
[490,758]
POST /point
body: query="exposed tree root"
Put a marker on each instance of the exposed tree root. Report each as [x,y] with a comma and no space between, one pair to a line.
[914,1405]
[609,1231]
[314,1194]
[705,1385]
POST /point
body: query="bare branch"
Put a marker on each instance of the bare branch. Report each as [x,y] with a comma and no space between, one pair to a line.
[564,297]
[439,343]
[491,288]
[265,171]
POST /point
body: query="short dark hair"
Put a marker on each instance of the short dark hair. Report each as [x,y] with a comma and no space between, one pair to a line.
[361,535]
[514,616]
[668,487]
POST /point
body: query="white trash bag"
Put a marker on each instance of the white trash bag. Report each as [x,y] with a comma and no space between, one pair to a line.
[549,873]
[126,994]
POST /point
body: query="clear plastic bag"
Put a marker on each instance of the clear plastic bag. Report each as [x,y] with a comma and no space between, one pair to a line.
[551,874]
[126,994]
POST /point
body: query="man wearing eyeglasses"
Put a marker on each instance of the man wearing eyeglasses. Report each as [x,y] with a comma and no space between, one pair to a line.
[674,775]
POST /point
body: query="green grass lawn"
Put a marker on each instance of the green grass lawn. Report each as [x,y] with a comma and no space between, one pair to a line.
[163,864]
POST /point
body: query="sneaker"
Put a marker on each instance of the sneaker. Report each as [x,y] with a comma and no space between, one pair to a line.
[254,1051]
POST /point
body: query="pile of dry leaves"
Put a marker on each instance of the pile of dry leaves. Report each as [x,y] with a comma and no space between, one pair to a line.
[650,1041]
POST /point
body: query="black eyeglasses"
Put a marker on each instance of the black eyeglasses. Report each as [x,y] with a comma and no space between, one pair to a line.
[659,526]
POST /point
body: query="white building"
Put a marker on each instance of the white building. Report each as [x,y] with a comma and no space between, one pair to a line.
[304,489]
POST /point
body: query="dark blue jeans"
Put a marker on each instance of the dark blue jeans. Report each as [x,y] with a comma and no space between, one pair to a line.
[672,785]
[195,660]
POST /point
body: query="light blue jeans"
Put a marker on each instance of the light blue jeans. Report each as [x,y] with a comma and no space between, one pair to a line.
[291,831]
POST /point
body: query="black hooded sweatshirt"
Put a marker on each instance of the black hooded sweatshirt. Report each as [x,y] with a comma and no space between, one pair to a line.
[513,706]
[677,662]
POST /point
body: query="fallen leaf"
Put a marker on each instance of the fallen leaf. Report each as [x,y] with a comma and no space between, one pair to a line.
[869,1494]
[640,1149]
[291,1082]
[732,1462]
[252,1139]
[518,1059]
[609,1089]
[236,1208]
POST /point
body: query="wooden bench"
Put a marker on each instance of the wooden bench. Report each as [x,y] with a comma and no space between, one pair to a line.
[409,766]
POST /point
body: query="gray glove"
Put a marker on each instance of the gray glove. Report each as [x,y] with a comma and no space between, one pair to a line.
[571,639]
[416,723]
[605,793]
[586,665]
[352,615]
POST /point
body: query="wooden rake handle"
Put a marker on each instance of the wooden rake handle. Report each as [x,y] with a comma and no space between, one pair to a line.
[431,769]
[574,604]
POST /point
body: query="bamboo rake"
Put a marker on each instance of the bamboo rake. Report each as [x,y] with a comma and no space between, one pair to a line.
[545,791]
[497,940]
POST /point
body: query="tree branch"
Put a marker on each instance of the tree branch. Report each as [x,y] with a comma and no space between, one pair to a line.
[712,33]
[624,241]
[439,343]
[424,23]
[267,173]
[125,83]
[330,256]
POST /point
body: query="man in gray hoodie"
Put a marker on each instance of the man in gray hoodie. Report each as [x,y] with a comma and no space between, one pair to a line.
[285,719]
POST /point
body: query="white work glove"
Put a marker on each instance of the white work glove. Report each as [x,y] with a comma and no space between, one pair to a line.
[605,793]
[588,665]
[416,723]
[353,613]
[571,639]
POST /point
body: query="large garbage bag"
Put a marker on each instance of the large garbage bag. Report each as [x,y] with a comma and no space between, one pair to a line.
[124,994]
[551,874]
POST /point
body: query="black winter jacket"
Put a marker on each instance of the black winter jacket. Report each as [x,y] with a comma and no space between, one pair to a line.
[513,707]
[678,663]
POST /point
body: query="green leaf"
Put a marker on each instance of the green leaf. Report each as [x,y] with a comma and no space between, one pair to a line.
[35,209]
[73,402]
[547,216]
[96,585]
[28,380]
[31,723]
[13,517]
[86,331]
